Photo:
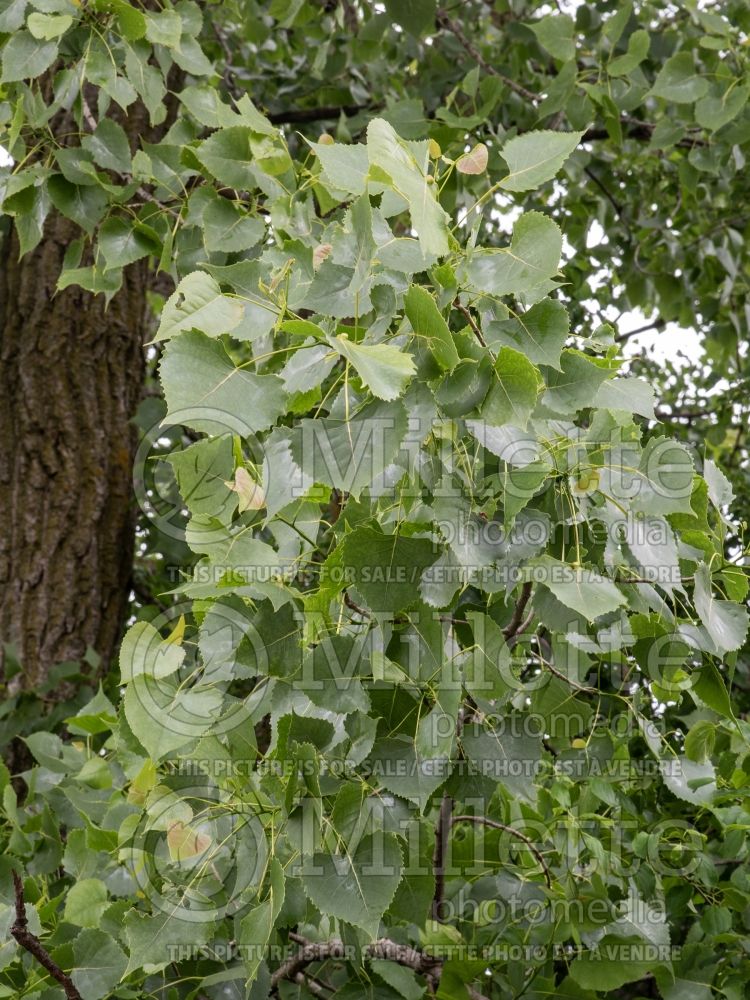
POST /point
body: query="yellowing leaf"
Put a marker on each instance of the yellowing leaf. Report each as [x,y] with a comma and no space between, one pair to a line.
[321,251]
[473,162]
[184,842]
[178,632]
[142,784]
[250,493]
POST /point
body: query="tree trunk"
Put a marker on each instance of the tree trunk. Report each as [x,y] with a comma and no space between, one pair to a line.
[71,374]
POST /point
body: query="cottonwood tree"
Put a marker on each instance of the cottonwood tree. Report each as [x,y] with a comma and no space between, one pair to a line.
[445,699]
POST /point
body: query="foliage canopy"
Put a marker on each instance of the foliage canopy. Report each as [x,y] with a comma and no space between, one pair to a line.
[442,701]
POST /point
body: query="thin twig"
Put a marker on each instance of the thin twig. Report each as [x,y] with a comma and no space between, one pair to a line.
[605,190]
[486,821]
[470,320]
[87,115]
[517,624]
[355,607]
[568,680]
[229,76]
[455,28]
[31,943]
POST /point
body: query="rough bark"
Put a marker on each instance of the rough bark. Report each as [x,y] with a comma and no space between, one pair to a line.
[71,374]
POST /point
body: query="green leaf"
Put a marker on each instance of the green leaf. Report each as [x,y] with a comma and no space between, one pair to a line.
[638,46]
[405,165]
[402,980]
[386,569]
[602,969]
[663,483]
[507,754]
[98,964]
[531,259]
[122,243]
[163,717]
[651,541]
[519,487]
[12,15]
[48,26]
[147,80]
[350,454]
[204,390]
[227,155]
[86,902]
[679,81]
[385,370]
[535,157]
[228,228]
[357,888]
[416,16]
[199,304]
[257,925]
[691,782]
[345,167]
[24,58]
[555,33]
[539,333]
[629,395]
[130,20]
[143,651]
[720,490]
[254,119]
[714,112]
[163,27]
[513,393]
[84,205]
[427,321]
[154,940]
[575,385]
[202,471]
[725,621]
[581,588]
[109,146]
[699,742]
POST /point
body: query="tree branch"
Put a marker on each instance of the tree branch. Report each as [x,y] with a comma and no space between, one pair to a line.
[311,951]
[31,943]
[517,623]
[634,128]
[301,116]
[442,833]
[495,825]
[403,954]
[657,324]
